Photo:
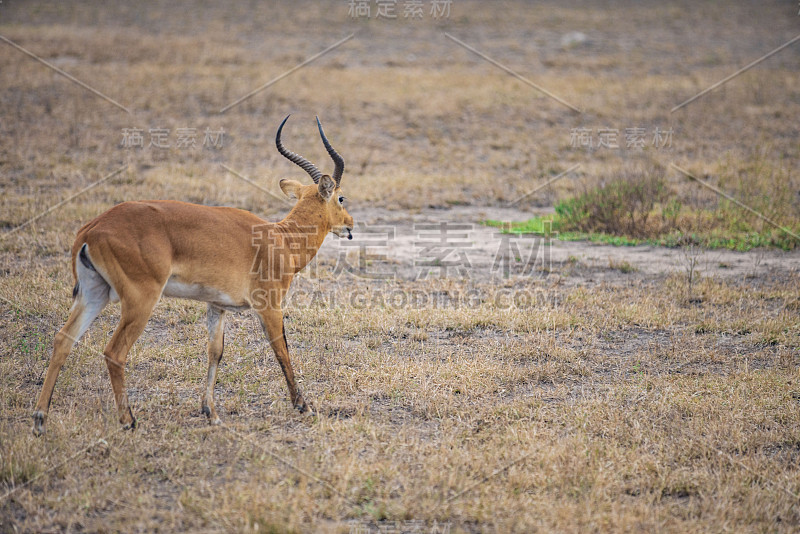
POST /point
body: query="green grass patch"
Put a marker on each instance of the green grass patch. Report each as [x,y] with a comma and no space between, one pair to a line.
[549,226]
[638,210]
[740,241]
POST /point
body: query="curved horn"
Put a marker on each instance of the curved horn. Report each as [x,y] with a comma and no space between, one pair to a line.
[304,164]
[337,159]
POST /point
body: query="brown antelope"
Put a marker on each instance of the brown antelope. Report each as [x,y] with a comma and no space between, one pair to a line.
[137,252]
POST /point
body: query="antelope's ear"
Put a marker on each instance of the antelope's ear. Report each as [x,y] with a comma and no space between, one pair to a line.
[326,187]
[291,188]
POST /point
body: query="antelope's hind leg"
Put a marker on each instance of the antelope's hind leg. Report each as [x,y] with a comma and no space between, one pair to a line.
[90,297]
[136,311]
[216,344]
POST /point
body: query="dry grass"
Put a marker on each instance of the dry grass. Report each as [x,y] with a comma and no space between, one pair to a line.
[617,400]
[651,414]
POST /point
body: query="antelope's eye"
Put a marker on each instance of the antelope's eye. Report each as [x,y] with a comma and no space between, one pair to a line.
[341,200]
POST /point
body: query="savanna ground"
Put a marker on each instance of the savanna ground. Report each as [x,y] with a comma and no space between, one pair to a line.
[599,388]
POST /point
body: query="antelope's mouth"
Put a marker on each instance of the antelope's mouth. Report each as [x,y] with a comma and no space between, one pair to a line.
[344,231]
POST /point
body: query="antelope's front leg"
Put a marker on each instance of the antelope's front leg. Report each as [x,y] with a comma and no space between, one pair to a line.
[272,321]
[216,344]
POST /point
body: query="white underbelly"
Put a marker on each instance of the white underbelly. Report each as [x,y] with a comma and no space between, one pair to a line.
[212,295]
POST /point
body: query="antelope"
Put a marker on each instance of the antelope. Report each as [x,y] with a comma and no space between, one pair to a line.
[137,252]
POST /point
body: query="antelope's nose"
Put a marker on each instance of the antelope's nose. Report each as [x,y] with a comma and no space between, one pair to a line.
[349,234]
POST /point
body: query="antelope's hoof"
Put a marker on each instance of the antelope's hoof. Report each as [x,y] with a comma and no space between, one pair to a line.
[213,419]
[304,407]
[38,423]
[131,425]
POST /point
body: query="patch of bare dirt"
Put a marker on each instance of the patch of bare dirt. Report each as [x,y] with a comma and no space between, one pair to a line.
[453,242]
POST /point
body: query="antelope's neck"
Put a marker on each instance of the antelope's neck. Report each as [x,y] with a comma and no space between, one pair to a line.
[304,230]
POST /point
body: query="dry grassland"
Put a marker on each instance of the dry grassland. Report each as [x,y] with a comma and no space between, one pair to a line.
[613,397]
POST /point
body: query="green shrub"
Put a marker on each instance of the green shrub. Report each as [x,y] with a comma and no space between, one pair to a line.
[621,207]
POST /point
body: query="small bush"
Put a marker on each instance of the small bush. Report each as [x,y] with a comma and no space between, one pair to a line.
[637,205]
[621,207]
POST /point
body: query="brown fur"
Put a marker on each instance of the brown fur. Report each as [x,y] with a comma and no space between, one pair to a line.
[230,258]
